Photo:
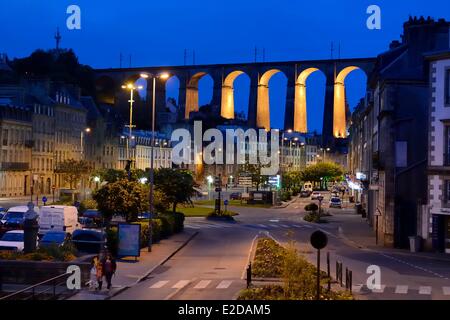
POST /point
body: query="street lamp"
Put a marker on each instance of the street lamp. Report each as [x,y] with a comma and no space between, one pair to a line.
[87,130]
[163,75]
[132,88]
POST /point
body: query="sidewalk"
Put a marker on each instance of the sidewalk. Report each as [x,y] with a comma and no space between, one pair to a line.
[130,272]
[356,231]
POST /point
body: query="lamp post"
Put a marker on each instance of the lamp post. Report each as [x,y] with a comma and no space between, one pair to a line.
[130,87]
[146,76]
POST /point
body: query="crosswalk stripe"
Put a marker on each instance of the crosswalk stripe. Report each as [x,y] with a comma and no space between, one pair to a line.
[202,284]
[381,290]
[307,226]
[357,288]
[424,290]
[224,284]
[159,284]
[180,284]
[192,227]
[262,226]
[284,226]
[298,226]
[273,225]
[446,291]
[401,289]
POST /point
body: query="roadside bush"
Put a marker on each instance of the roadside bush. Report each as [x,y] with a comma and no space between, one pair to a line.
[285,196]
[112,240]
[269,257]
[179,222]
[311,207]
[167,225]
[66,252]
[312,217]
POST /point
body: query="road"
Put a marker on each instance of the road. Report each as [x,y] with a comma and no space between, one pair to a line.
[213,264]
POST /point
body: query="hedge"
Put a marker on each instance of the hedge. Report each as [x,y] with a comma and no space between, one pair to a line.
[163,226]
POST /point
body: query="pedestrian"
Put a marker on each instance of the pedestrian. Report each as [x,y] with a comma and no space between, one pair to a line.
[109,268]
[99,272]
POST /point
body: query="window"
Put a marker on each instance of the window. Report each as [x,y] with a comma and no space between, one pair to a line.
[446,197]
[446,145]
[447,87]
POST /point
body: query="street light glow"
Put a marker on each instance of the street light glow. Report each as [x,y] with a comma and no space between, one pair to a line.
[164,75]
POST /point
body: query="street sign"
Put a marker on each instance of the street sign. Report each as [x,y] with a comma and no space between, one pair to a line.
[225,202]
[218,189]
[44,200]
[319,240]
[245,181]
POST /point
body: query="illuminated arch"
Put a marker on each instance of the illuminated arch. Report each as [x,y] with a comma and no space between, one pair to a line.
[227,106]
[300,113]
[339,109]
[263,102]
[192,94]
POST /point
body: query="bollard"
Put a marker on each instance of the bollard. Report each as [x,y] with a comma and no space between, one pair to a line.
[249,275]
[339,272]
[328,272]
[350,277]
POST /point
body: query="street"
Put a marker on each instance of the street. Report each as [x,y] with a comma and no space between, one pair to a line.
[212,266]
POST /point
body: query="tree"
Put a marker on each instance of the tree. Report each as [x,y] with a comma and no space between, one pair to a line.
[176,185]
[113,175]
[73,170]
[254,170]
[123,197]
[322,171]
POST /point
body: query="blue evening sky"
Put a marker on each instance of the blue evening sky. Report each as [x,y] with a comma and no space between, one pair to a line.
[157,32]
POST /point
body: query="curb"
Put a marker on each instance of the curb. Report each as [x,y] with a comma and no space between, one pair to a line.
[285,205]
[162,262]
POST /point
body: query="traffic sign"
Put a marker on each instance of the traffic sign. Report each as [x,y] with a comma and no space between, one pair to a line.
[44,199]
[319,240]
[225,202]
[218,189]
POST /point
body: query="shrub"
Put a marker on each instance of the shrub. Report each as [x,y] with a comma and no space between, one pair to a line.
[167,225]
[311,207]
[312,217]
[285,196]
[179,222]
[51,253]
[269,257]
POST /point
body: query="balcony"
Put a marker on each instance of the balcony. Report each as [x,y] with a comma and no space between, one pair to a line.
[14,166]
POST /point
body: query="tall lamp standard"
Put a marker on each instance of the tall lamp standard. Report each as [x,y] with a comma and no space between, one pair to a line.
[147,76]
[130,87]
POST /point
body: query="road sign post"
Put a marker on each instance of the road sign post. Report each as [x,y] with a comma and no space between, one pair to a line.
[319,241]
[44,200]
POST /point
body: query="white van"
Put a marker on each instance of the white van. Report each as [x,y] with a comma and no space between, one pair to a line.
[58,218]
[307,186]
[16,215]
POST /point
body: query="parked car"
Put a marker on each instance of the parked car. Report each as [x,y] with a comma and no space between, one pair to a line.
[12,240]
[235,196]
[335,202]
[89,240]
[54,238]
[58,218]
[305,193]
[86,223]
[315,195]
[14,218]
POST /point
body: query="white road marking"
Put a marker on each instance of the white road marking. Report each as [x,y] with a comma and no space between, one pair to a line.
[202,284]
[274,220]
[273,225]
[357,288]
[159,284]
[424,290]
[401,289]
[446,291]
[381,290]
[193,227]
[308,226]
[297,226]
[180,284]
[284,226]
[262,226]
[224,284]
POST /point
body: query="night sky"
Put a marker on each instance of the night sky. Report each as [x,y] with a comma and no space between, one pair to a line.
[157,32]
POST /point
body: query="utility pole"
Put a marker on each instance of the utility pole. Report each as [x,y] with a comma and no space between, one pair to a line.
[57,38]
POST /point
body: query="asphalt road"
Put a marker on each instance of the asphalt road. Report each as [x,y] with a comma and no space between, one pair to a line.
[213,264]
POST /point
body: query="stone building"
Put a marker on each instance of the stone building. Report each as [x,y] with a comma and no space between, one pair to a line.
[436,220]
[394,133]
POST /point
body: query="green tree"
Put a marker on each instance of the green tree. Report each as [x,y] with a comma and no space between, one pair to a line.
[123,197]
[254,170]
[113,175]
[176,185]
[322,171]
[73,170]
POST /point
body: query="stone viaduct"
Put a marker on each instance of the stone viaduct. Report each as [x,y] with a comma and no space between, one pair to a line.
[109,82]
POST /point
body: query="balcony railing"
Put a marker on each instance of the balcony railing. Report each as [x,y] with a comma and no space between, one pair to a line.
[14,166]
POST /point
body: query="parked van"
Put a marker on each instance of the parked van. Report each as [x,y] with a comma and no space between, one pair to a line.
[58,218]
[307,186]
